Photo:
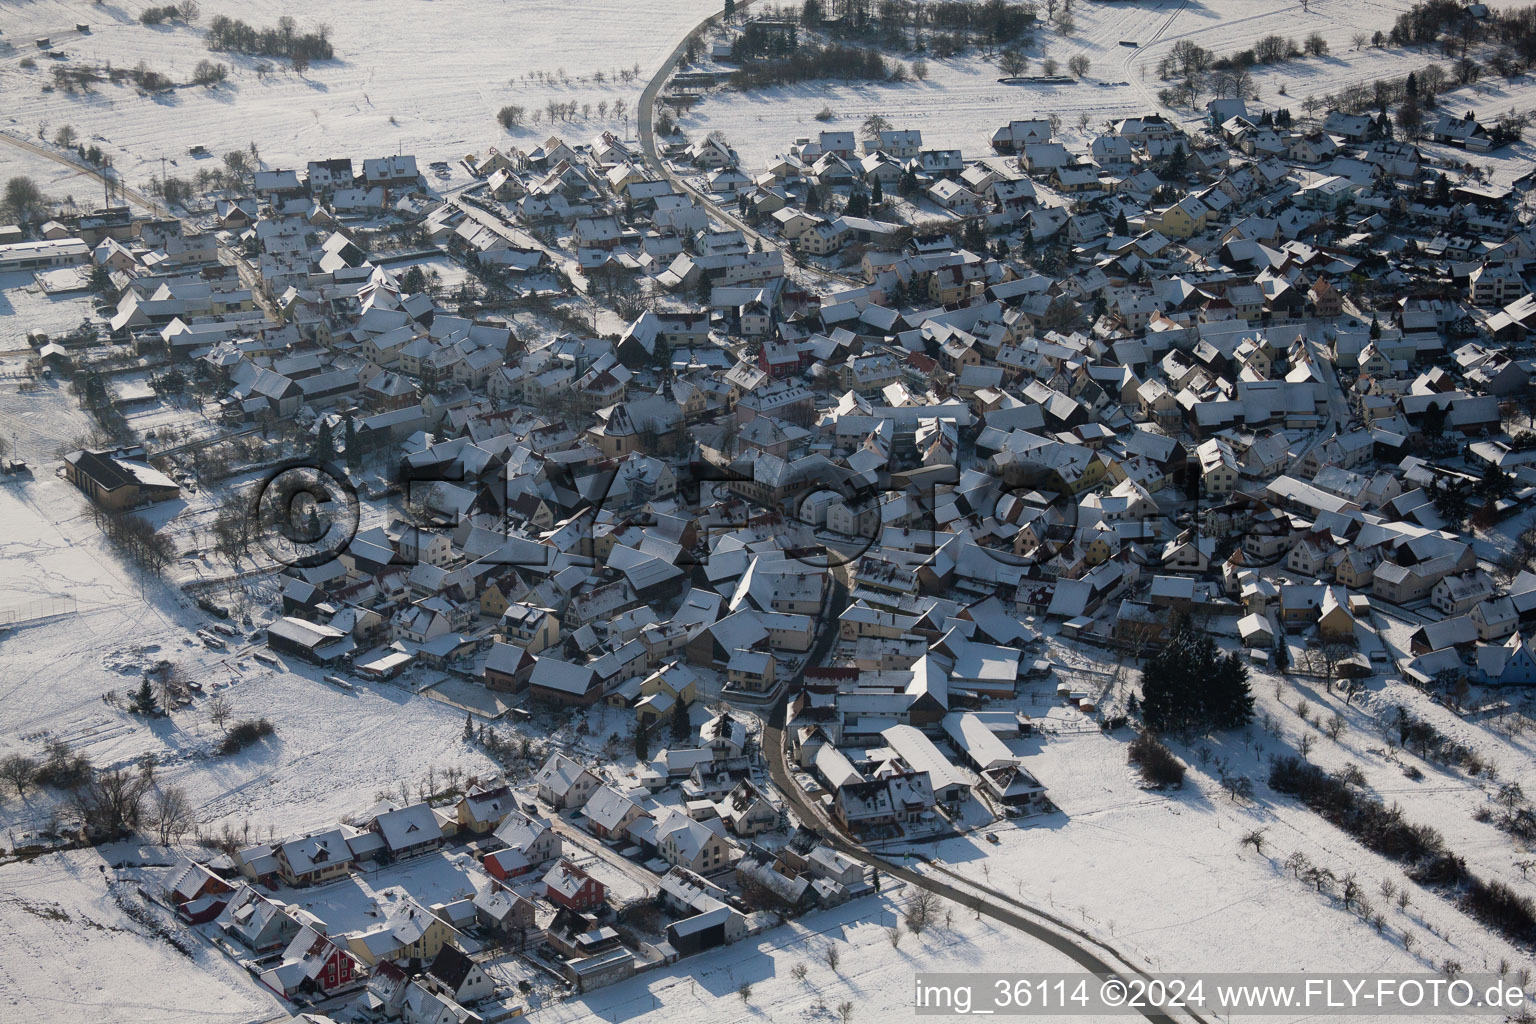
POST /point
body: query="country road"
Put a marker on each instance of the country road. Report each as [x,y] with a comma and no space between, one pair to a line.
[999,906]
[132,194]
[983,899]
[647,115]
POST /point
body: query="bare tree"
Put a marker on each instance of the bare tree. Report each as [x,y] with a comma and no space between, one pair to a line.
[1012,63]
[921,910]
[19,770]
[171,814]
[1255,839]
[832,955]
[894,934]
[111,802]
[219,711]
[1335,726]
[845,1011]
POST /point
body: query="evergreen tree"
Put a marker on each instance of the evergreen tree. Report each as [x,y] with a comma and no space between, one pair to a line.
[681,727]
[1450,500]
[1495,483]
[1375,327]
[144,699]
[730,8]
[642,743]
[1122,226]
[1191,685]
[1231,699]
[1282,657]
[975,236]
[876,194]
[812,199]
[1442,193]
[325,442]
[469,726]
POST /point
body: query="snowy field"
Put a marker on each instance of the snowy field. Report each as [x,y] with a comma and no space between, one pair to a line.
[877,979]
[962,102]
[422,78]
[68,951]
[333,751]
[1110,860]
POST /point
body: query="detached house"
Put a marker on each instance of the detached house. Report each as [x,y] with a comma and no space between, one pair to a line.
[315,964]
[314,859]
[609,813]
[563,783]
[568,886]
[409,830]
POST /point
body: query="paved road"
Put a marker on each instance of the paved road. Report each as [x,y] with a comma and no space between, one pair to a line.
[999,906]
[647,131]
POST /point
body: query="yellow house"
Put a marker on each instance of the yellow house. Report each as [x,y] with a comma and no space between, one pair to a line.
[659,693]
[1185,218]
[1097,547]
[1075,477]
[1335,622]
[499,593]
[409,930]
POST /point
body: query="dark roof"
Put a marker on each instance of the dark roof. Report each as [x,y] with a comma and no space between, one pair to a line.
[451,967]
[107,473]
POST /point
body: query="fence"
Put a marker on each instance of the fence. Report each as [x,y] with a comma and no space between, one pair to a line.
[42,608]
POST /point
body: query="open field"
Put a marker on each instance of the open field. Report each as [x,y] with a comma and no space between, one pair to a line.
[415,78]
[333,749]
[1109,862]
[68,949]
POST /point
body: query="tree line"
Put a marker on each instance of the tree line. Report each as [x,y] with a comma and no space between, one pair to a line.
[284,40]
[111,803]
[834,60]
[1340,799]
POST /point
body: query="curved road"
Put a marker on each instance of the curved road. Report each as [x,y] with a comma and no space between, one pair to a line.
[1051,930]
[648,150]
[1060,936]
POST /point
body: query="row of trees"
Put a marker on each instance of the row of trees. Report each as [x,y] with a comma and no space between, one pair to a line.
[515,115]
[808,63]
[187,11]
[1384,829]
[1014,63]
[111,803]
[135,538]
[285,40]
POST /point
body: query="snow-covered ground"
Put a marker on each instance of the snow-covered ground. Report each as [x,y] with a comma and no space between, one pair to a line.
[876,978]
[1165,879]
[417,78]
[333,751]
[962,102]
[69,951]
